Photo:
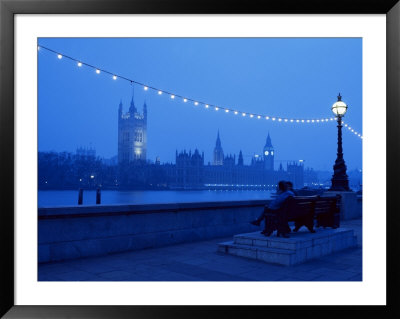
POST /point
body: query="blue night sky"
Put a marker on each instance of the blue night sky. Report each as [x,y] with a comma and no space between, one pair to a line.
[282,77]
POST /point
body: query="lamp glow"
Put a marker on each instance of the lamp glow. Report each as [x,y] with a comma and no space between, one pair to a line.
[98,71]
[339,108]
[79,64]
[59,56]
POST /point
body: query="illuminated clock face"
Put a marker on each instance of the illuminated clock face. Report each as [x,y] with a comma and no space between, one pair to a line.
[266,152]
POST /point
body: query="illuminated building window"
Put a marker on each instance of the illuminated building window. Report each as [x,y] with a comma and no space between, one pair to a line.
[138,136]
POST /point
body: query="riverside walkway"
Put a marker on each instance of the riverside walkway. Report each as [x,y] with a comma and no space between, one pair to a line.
[200,261]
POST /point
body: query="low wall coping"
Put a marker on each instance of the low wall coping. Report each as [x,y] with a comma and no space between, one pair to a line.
[123,209]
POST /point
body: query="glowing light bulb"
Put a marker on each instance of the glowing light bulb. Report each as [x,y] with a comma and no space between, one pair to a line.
[243,114]
[308,121]
[297,121]
[159,92]
[318,121]
[98,71]
[185,100]
[286,120]
[279,120]
[236,112]
[273,118]
[196,103]
[291,121]
[207,106]
[267,117]
[227,111]
[38,47]
[251,115]
[258,116]
[216,108]
[312,121]
[59,56]
[145,88]
[114,77]
[79,64]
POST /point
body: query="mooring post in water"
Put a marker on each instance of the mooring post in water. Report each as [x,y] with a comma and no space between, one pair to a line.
[80,196]
[98,196]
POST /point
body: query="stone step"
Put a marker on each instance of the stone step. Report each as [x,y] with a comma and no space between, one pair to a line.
[300,247]
[270,255]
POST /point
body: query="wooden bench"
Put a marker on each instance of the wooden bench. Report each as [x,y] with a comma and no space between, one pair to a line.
[308,211]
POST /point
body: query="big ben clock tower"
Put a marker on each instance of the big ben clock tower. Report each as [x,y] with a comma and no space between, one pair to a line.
[268,155]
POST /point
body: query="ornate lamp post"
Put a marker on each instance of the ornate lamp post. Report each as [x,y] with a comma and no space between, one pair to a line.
[339,179]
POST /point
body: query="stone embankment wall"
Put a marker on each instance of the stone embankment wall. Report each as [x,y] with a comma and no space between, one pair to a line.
[83,231]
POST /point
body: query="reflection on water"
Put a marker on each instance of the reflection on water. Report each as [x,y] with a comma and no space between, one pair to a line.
[68,198]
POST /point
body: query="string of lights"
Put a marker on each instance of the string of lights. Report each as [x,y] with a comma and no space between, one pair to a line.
[197,103]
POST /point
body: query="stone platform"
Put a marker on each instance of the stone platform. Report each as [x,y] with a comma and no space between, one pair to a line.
[300,247]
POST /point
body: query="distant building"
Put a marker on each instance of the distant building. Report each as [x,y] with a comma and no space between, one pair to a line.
[132,134]
[218,152]
[240,159]
[111,161]
[268,155]
[295,171]
[189,170]
[86,152]
[311,178]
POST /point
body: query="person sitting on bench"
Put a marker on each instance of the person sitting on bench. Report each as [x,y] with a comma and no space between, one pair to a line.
[290,187]
[273,208]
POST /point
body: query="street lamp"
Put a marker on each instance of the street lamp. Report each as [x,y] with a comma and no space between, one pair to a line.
[340,181]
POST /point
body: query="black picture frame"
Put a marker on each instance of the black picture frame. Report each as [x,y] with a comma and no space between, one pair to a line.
[8,10]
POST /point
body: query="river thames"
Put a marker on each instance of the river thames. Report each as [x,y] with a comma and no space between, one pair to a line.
[112,197]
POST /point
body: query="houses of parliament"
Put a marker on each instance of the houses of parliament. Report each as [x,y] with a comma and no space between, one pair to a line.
[189,170]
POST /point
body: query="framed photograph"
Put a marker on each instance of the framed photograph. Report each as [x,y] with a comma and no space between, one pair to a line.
[142,140]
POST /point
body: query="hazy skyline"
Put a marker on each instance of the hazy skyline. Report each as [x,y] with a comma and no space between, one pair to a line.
[282,77]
